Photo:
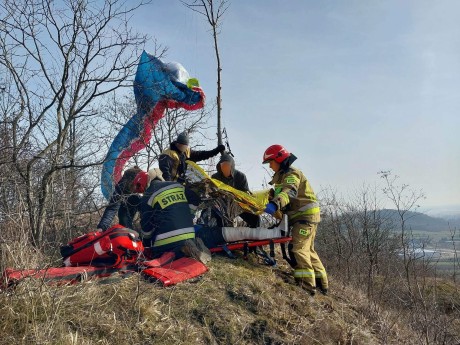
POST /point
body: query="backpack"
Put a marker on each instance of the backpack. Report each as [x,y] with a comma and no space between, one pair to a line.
[115,247]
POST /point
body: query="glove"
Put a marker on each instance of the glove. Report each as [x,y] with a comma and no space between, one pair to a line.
[220,148]
[271,208]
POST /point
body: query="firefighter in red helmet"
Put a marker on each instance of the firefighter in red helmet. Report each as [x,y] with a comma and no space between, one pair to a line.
[294,196]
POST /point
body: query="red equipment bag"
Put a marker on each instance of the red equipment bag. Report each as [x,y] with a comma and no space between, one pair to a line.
[112,248]
[176,271]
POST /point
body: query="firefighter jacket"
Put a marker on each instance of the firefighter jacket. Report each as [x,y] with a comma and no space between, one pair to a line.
[294,195]
[172,161]
[166,220]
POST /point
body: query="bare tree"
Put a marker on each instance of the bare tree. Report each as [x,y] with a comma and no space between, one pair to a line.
[60,58]
[405,200]
[213,10]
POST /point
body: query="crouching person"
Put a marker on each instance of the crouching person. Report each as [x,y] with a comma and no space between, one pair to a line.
[166,221]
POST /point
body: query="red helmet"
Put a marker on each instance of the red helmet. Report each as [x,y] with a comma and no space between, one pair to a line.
[140,182]
[275,152]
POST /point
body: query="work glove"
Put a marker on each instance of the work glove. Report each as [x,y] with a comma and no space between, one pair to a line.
[220,148]
[271,208]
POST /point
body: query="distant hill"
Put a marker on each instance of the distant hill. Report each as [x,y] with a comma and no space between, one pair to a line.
[420,221]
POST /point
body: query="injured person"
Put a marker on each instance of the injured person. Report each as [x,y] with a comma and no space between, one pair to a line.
[216,236]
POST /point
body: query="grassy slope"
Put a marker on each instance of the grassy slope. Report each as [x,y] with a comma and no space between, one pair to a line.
[236,302]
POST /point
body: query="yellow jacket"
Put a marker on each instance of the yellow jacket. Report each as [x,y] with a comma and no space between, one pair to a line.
[294,195]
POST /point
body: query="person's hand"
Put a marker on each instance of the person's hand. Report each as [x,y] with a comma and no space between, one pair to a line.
[99,230]
[271,208]
[220,148]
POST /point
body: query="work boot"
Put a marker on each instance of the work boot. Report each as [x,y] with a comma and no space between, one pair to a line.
[319,285]
[310,289]
[197,250]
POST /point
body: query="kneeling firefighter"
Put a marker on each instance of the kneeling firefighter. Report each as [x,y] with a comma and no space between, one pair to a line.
[294,196]
[166,220]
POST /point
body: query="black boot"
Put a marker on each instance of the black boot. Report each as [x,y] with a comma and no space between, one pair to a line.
[319,285]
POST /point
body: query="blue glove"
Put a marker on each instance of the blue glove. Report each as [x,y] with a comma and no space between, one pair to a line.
[271,208]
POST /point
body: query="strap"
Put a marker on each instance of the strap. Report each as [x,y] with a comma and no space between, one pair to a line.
[228,252]
[267,259]
[272,249]
[285,255]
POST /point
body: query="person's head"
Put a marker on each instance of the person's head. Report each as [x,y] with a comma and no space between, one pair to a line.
[182,142]
[127,180]
[143,179]
[226,165]
[275,155]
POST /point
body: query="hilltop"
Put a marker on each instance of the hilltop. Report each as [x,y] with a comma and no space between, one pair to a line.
[236,302]
[420,221]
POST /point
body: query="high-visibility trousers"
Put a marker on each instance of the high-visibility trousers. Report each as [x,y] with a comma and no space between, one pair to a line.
[308,264]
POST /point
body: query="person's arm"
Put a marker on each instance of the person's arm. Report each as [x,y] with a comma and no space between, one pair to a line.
[165,164]
[242,182]
[197,156]
[111,210]
[288,188]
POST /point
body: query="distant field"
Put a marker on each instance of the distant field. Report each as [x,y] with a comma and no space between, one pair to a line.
[438,238]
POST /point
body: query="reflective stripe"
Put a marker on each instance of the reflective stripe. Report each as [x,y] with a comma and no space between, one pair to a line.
[284,197]
[67,262]
[308,206]
[303,273]
[292,179]
[98,249]
[174,233]
[178,238]
[174,185]
[169,197]
[320,274]
[307,212]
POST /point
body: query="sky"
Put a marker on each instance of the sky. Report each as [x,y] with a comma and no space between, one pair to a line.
[350,87]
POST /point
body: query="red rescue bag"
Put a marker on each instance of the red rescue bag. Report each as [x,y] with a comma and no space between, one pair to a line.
[112,248]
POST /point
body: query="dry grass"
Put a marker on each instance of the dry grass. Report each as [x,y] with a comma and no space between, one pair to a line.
[236,302]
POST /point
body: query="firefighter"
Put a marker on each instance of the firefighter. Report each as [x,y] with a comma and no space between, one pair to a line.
[294,196]
[166,221]
[228,174]
[172,161]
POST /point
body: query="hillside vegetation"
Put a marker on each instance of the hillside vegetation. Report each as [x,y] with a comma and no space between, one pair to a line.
[236,302]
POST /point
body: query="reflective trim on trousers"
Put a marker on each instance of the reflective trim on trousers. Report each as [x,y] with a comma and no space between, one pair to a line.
[320,274]
[303,273]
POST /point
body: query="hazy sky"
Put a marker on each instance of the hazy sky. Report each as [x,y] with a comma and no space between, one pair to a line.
[350,87]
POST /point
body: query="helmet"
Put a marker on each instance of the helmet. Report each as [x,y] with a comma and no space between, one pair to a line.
[275,152]
[140,182]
